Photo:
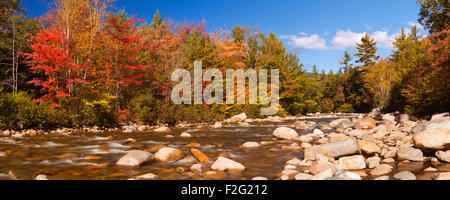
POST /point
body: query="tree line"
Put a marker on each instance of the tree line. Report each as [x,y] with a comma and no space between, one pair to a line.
[86,63]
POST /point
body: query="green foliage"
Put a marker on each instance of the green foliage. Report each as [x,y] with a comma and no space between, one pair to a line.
[19,112]
[434,14]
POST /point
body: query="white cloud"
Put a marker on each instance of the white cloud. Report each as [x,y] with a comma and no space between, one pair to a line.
[307,42]
[303,34]
[348,38]
[344,39]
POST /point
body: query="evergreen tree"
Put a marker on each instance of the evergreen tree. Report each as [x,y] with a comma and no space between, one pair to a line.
[366,51]
[346,62]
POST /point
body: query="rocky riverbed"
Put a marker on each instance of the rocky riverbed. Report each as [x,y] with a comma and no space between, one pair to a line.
[313,147]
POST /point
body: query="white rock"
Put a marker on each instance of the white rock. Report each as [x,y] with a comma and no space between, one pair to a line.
[251,145]
[225,164]
[285,133]
[168,154]
[134,158]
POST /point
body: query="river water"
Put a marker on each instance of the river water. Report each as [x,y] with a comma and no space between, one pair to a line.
[91,156]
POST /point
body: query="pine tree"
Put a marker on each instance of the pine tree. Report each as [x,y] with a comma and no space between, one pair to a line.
[367,51]
[346,62]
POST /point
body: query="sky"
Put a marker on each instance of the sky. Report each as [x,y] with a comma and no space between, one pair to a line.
[318,31]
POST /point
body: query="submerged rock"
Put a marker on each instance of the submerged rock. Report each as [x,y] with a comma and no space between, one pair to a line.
[200,156]
[404,175]
[381,170]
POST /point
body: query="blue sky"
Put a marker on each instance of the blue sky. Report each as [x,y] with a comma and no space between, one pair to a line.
[319,31]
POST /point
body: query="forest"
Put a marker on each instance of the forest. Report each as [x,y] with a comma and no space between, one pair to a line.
[86,63]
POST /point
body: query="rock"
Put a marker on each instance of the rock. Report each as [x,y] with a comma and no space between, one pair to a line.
[289,174]
[225,164]
[403,118]
[382,178]
[388,160]
[168,154]
[336,149]
[317,131]
[305,125]
[259,178]
[443,155]
[325,127]
[217,125]
[305,145]
[41,177]
[389,152]
[290,167]
[334,123]
[238,118]
[373,162]
[148,176]
[436,139]
[345,124]
[285,133]
[439,116]
[381,170]
[376,112]
[134,158]
[365,123]
[352,162]
[294,161]
[404,175]
[198,169]
[215,175]
[292,147]
[302,176]
[323,175]
[357,133]
[251,145]
[345,175]
[162,129]
[369,147]
[320,166]
[169,136]
[200,156]
[441,176]
[408,153]
[305,138]
[185,135]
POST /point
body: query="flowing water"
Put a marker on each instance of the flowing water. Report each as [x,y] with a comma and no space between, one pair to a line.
[92,156]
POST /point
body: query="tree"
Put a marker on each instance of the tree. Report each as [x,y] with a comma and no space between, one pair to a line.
[366,51]
[346,62]
[434,15]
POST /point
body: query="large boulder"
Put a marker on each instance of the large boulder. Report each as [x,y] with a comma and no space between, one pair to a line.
[411,154]
[134,158]
[168,154]
[352,162]
[436,139]
[437,121]
[346,147]
[366,123]
[285,133]
[238,118]
[225,164]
